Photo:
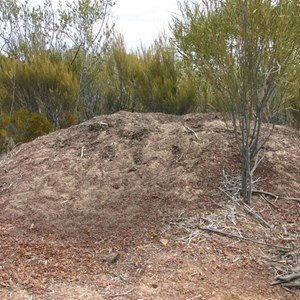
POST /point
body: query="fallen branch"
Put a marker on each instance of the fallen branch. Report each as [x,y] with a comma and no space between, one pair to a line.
[287,278]
[289,282]
[291,285]
[290,290]
[275,196]
[231,235]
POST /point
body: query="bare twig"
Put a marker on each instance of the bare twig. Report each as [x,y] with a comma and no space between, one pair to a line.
[81,154]
[121,294]
[193,131]
[232,185]
[248,209]
[259,218]
[6,188]
[269,202]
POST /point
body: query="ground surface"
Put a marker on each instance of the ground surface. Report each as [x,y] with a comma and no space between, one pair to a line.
[115,208]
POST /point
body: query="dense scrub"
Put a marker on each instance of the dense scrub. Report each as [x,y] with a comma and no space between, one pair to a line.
[67,73]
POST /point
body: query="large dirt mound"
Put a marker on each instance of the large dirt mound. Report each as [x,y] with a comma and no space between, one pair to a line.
[114,173]
[143,186]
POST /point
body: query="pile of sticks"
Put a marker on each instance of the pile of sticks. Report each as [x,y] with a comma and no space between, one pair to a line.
[225,222]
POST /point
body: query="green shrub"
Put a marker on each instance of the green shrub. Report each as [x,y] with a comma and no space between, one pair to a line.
[23,126]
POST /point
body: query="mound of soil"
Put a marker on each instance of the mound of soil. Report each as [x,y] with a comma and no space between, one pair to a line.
[105,175]
[113,183]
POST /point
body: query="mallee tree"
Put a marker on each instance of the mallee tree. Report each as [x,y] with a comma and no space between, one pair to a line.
[247,50]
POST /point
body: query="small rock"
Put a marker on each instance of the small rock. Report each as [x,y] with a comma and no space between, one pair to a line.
[112,258]
[164,241]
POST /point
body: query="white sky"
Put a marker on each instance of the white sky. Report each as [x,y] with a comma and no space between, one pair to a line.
[141,21]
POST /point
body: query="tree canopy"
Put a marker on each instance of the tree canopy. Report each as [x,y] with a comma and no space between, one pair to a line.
[247,50]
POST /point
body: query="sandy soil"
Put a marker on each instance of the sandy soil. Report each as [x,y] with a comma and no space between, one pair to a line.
[113,209]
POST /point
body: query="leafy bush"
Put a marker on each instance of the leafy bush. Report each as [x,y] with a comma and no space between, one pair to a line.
[23,126]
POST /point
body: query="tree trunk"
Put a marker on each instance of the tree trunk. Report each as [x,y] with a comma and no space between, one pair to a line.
[246,176]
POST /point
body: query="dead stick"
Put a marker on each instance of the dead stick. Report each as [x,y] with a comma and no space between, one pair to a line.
[288,278]
[190,129]
[121,294]
[241,238]
[275,196]
[250,211]
[290,290]
[291,285]
[81,155]
[270,203]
